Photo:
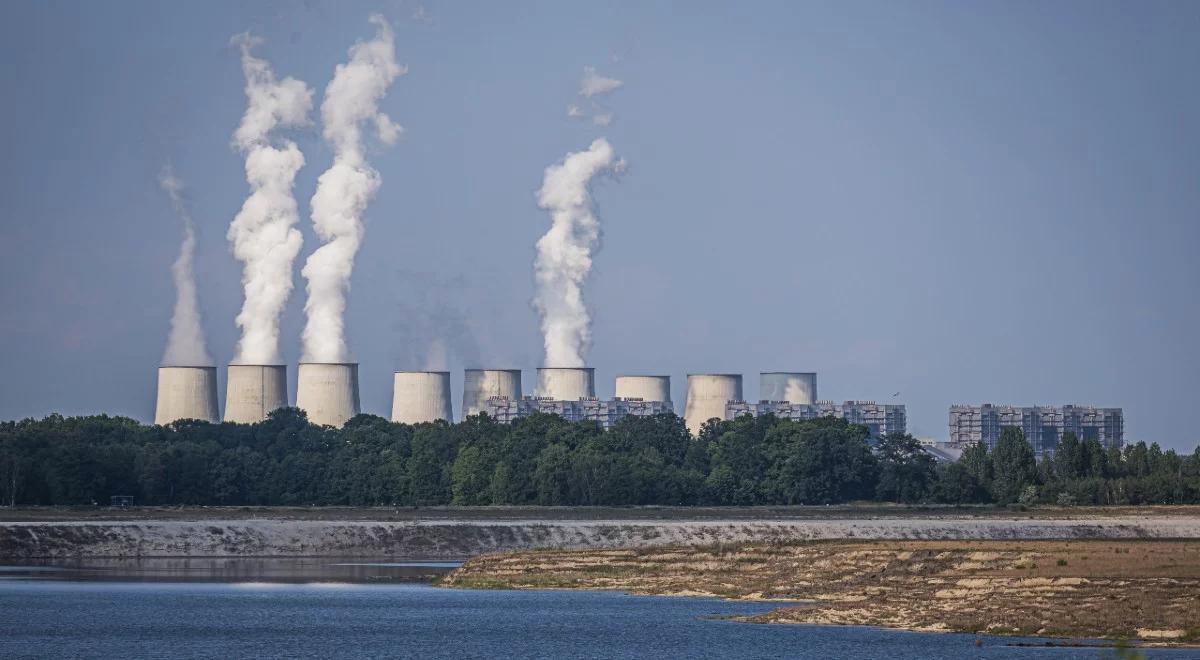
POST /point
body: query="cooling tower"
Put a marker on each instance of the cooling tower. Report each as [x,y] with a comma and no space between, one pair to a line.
[707,395]
[186,393]
[646,388]
[327,391]
[479,385]
[788,386]
[421,396]
[253,390]
[566,383]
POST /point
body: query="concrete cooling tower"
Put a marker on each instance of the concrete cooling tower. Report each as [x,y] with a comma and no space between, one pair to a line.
[253,390]
[707,395]
[186,393]
[421,396]
[646,388]
[328,391]
[479,385]
[566,383]
[795,387]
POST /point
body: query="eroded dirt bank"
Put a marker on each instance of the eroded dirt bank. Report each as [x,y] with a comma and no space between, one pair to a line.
[1117,589]
[448,537]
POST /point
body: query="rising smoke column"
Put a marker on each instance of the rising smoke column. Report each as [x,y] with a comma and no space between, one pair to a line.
[346,188]
[564,254]
[263,235]
[185,343]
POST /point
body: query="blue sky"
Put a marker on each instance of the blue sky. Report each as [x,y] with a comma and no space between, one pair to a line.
[960,202]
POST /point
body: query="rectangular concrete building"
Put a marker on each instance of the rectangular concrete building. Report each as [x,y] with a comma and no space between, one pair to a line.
[1043,425]
[879,419]
[604,413]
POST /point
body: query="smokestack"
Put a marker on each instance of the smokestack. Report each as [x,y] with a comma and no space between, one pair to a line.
[566,383]
[253,390]
[479,385]
[186,393]
[328,391]
[421,396]
[646,388]
[791,386]
[707,395]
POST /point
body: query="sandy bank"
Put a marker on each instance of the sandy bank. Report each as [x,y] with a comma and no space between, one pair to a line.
[1096,588]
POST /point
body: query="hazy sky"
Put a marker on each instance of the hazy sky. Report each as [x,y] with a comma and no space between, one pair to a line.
[961,202]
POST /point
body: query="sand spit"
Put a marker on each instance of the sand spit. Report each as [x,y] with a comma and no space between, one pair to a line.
[1095,588]
[449,538]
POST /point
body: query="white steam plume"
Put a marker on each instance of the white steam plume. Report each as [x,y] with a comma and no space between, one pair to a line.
[586,105]
[564,254]
[264,236]
[346,188]
[185,343]
[594,84]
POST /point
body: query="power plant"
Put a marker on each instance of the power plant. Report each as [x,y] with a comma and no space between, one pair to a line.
[186,393]
[328,391]
[707,395]
[566,383]
[646,388]
[479,385]
[254,390]
[421,396]
[793,387]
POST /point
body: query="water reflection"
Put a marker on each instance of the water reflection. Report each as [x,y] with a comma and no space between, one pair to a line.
[243,570]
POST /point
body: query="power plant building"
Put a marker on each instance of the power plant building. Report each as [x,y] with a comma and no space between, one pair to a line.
[328,392]
[254,390]
[604,413]
[794,387]
[566,383]
[879,419]
[421,396]
[186,393]
[646,388]
[707,395]
[1043,426]
[479,385]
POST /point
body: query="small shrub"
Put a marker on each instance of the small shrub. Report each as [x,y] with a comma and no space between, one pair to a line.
[1062,562]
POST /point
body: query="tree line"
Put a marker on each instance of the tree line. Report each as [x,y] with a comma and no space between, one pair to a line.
[545,460]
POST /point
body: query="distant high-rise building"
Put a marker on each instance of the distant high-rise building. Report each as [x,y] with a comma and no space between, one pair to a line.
[1043,425]
[879,419]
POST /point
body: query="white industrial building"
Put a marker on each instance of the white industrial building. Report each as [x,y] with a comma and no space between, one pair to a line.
[604,413]
[879,419]
[1043,426]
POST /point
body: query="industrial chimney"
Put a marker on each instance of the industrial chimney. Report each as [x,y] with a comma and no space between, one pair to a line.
[421,396]
[186,393]
[646,388]
[707,395]
[253,390]
[566,383]
[479,385]
[794,387]
[328,391]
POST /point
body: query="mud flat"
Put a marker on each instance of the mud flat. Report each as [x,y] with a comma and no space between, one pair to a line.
[466,535]
[1146,590]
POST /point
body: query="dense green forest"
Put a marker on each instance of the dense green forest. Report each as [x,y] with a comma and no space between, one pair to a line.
[546,460]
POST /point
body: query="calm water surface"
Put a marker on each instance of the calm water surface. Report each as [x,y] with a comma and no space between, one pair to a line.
[62,618]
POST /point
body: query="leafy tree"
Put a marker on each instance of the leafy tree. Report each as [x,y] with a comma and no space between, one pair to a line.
[1013,466]
[906,471]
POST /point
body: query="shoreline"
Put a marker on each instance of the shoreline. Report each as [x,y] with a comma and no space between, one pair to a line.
[1107,590]
[469,536]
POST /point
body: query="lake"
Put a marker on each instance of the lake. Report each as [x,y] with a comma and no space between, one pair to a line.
[98,611]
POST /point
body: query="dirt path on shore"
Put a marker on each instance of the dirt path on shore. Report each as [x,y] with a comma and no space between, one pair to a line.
[1116,589]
